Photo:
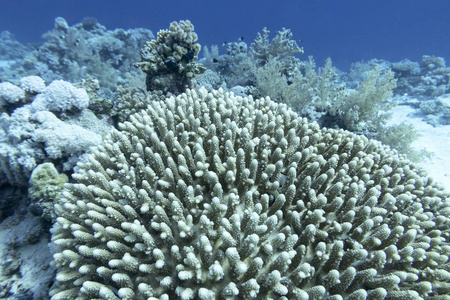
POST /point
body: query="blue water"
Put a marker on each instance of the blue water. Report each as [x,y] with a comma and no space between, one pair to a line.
[345,30]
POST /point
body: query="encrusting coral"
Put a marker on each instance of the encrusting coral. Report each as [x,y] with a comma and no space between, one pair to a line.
[44,185]
[170,60]
[214,196]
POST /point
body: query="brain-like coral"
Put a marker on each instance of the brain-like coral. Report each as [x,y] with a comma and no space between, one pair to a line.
[170,60]
[214,196]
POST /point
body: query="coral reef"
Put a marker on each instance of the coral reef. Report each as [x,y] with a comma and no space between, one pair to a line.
[100,102]
[323,96]
[430,80]
[211,195]
[367,105]
[170,60]
[60,139]
[429,83]
[55,126]
[131,100]
[211,80]
[32,84]
[320,94]
[437,111]
[45,182]
[74,53]
[25,271]
[308,92]
[10,48]
[10,93]
[239,67]
[405,68]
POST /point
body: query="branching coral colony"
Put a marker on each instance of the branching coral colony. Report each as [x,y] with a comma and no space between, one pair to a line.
[271,69]
[170,60]
[208,195]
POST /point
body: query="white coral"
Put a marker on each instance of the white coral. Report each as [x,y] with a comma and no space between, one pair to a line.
[62,139]
[10,93]
[32,84]
[60,96]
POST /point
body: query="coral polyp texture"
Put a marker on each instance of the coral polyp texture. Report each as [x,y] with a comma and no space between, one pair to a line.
[215,196]
[170,60]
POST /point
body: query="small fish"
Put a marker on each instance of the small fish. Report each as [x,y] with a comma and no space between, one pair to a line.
[283,179]
[224,43]
[188,56]
[241,38]
[281,182]
[171,64]
[215,60]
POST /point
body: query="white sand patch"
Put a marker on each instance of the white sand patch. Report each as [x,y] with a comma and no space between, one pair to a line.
[433,139]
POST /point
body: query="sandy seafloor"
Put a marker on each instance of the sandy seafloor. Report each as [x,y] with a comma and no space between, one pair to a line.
[433,139]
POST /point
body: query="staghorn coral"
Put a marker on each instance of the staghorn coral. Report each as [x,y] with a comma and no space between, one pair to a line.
[209,195]
[170,60]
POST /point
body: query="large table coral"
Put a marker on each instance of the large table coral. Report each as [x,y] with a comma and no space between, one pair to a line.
[214,196]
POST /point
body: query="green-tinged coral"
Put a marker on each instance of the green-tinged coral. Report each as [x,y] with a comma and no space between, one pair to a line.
[45,185]
[367,110]
[214,196]
[131,100]
[170,60]
[400,137]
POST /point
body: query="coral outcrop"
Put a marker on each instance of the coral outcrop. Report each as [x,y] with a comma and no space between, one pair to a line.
[430,80]
[170,60]
[214,196]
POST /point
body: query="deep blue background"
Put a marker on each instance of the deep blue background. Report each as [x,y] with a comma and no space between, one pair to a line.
[345,30]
